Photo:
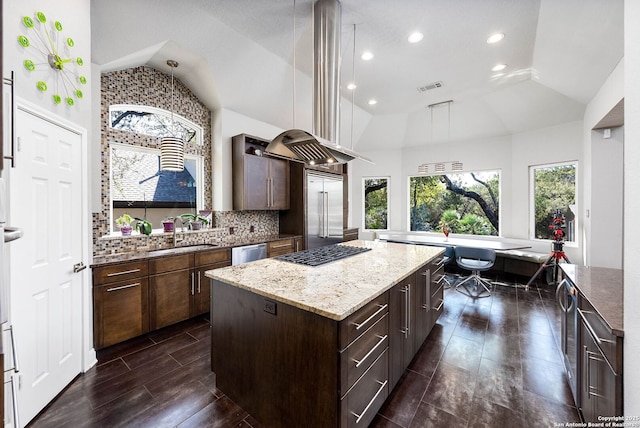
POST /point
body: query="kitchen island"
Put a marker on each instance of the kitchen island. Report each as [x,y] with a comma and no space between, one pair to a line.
[325,345]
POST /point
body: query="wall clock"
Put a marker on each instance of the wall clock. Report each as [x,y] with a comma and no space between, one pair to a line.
[51,59]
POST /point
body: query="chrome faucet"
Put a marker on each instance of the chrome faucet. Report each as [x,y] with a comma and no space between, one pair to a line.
[175,227]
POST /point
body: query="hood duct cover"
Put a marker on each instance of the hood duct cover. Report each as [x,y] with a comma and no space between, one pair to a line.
[299,145]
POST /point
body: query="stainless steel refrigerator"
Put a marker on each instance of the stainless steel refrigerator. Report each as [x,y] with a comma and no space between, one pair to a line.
[324,209]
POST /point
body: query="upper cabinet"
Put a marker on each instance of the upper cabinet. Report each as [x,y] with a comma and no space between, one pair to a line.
[260,182]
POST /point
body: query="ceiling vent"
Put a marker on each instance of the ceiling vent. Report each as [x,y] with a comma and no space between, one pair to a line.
[430,86]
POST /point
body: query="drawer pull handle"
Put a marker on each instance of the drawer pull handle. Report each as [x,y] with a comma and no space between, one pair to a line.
[288,244]
[125,272]
[440,262]
[597,338]
[364,412]
[440,279]
[14,352]
[371,351]
[439,306]
[122,287]
[368,320]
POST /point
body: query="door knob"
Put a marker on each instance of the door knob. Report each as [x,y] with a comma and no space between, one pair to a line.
[78,267]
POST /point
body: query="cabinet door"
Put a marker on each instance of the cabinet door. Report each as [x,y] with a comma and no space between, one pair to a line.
[422,305]
[279,192]
[599,391]
[121,311]
[257,186]
[202,292]
[170,297]
[401,323]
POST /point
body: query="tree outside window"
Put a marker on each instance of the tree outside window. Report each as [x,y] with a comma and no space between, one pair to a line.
[466,203]
[376,203]
[554,187]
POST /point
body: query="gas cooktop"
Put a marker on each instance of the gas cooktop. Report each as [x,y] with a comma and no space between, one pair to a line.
[321,255]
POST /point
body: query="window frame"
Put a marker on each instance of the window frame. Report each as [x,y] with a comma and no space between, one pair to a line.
[532,198]
[199,133]
[364,211]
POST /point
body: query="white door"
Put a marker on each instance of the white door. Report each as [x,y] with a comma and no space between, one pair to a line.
[46,294]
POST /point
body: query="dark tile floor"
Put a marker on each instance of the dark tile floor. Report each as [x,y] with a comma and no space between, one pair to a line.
[489,362]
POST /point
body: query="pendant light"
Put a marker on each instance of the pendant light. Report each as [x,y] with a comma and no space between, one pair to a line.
[172,147]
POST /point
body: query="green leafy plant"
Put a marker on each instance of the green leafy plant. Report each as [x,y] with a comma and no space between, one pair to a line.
[193,218]
[143,226]
[124,220]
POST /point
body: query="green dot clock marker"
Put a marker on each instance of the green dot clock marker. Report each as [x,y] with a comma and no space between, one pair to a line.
[29,65]
[79,93]
[70,42]
[41,17]
[79,61]
[23,41]
[58,25]
[70,102]
[27,21]
[57,99]
[42,87]
[82,80]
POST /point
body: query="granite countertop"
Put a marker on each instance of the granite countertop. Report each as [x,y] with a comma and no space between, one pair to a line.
[603,289]
[148,254]
[334,290]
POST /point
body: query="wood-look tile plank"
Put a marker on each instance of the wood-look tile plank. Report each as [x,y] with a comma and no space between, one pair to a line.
[451,389]
[403,402]
[202,332]
[430,416]
[193,351]
[177,329]
[158,350]
[165,385]
[221,413]
[101,393]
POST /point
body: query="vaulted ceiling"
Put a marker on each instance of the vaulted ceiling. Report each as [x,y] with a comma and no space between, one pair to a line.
[238,55]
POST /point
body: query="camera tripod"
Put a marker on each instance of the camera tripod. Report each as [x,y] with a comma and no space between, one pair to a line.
[557,254]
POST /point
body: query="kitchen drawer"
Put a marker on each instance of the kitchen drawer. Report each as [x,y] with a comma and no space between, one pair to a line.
[278,248]
[437,303]
[437,276]
[357,323]
[119,272]
[362,352]
[602,335]
[170,264]
[212,256]
[360,405]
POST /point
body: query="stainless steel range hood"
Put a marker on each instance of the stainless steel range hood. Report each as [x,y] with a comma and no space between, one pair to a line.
[321,147]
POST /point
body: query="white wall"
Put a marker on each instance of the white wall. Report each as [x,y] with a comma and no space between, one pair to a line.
[512,155]
[631,209]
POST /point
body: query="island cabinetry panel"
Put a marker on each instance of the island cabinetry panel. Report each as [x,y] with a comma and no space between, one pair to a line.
[600,366]
[120,303]
[171,289]
[402,323]
[204,261]
[259,182]
[276,361]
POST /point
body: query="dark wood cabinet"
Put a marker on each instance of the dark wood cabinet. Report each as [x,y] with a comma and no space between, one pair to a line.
[350,234]
[260,182]
[171,290]
[401,327]
[134,298]
[600,366]
[280,247]
[120,303]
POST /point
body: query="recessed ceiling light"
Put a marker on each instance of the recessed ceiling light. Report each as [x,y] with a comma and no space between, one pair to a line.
[499,67]
[351,86]
[415,37]
[373,102]
[367,55]
[495,38]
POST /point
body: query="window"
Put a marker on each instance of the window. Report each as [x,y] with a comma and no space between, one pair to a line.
[553,188]
[141,189]
[154,122]
[466,203]
[376,203]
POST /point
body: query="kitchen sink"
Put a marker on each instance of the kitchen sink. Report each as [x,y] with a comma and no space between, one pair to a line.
[180,250]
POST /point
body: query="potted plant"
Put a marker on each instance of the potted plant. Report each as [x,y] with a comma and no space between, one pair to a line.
[124,222]
[195,221]
[143,226]
[168,224]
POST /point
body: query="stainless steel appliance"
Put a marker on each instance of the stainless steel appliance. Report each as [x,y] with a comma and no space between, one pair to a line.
[567,297]
[324,209]
[248,253]
[322,255]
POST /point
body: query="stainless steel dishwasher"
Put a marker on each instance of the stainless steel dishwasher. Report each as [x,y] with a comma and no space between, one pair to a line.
[248,253]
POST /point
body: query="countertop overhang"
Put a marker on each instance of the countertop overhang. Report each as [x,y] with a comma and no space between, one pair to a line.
[334,290]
